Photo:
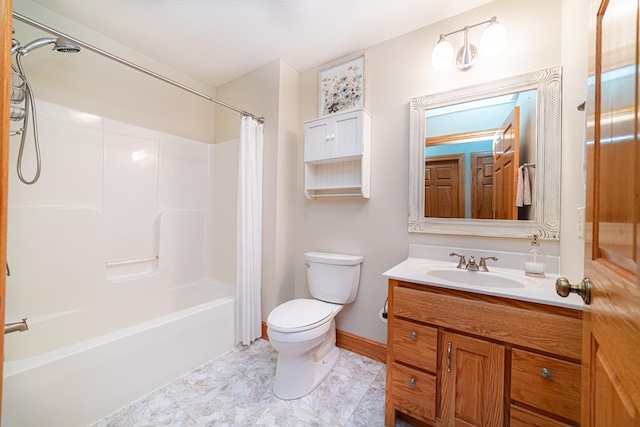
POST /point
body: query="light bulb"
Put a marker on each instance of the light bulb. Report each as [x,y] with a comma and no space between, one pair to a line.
[442,54]
[494,38]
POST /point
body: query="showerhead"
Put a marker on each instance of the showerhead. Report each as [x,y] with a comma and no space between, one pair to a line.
[60,45]
[65,46]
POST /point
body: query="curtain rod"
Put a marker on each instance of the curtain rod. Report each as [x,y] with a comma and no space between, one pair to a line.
[106,54]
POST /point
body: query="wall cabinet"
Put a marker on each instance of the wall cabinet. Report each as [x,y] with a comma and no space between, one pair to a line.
[337,155]
[459,358]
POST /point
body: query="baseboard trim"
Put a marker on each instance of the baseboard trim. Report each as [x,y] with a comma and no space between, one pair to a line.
[362,346]
[365,347]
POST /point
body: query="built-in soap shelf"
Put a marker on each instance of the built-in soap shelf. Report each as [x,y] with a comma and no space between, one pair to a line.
[337,155]
[130,269]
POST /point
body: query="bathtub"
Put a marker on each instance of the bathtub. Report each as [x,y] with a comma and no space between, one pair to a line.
[81,382]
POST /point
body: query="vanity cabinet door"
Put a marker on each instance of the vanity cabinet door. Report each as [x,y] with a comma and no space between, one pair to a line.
[472,381]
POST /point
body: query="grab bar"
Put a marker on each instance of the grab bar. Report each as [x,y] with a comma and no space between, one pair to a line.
[16,326]
[131,261]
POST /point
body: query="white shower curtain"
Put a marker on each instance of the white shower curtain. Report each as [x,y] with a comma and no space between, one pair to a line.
[249,233]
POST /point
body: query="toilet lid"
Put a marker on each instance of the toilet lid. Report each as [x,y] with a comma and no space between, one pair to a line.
[298,314]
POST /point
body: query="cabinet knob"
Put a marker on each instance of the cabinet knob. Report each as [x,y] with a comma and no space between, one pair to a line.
[412,383]
[333,136]
[413,335]
[546,374]
[327,138]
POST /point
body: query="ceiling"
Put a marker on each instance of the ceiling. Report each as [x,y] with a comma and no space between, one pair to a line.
[216,41]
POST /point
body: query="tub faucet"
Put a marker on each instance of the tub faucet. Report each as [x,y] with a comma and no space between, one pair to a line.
[16,326]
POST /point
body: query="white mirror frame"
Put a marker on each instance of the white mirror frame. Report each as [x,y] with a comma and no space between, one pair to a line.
[548,86]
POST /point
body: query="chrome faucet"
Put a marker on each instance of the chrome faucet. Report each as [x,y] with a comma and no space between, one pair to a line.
[16,326]
[471,265]
[462,262]
[483,262]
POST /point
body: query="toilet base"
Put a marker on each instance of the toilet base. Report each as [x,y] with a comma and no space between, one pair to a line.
[307,376]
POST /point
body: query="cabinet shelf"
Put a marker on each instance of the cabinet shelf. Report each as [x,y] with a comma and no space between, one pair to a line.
[336,153]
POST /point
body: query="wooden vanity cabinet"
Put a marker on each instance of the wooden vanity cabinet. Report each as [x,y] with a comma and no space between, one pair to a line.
[472,381]
[459,358]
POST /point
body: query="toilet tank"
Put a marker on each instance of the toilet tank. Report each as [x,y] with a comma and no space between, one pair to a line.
[333,277]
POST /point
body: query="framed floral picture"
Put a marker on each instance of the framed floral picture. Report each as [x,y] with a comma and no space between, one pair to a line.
[342,86]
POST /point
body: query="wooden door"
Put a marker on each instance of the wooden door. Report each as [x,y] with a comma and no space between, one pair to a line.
[482,185]
[472,382]
[444,186]
[5,61]
[506,155]
[611,347]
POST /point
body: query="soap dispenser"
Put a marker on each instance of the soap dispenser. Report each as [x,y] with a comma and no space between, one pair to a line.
[534,259]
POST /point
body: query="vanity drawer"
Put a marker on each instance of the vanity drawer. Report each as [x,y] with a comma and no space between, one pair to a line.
[415,344]
[413,392]
[523,418]
[548,329]
[546,383]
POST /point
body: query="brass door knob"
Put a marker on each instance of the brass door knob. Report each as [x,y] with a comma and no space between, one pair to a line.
[564,288]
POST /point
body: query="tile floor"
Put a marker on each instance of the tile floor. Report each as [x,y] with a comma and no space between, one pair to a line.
[234,389]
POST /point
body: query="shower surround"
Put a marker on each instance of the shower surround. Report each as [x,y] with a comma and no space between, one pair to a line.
[113,242]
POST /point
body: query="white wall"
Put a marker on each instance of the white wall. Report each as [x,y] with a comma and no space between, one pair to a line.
[574,48]
[93,84]
[399,70]
[272,92]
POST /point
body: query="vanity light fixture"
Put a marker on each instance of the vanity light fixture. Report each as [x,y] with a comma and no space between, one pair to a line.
[492,42]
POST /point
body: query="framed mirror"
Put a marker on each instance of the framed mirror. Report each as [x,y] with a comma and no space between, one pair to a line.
[485,159]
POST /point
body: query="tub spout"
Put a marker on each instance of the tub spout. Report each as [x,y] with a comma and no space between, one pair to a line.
[16,326]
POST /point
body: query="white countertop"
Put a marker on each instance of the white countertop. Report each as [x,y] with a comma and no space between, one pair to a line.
[535,289]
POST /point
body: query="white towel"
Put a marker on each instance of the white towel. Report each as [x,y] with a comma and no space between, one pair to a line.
[520,187]
[526,198]
[523,190]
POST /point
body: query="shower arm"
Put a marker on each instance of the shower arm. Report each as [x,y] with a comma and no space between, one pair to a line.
[129,64]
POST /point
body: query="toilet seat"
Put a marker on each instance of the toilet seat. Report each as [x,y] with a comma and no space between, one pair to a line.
[299,315]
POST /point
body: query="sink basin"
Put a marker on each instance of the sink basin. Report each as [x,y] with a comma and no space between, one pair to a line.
[475,278]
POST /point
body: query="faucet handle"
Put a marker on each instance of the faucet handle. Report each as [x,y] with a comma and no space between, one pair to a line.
[462,262]
[483,262]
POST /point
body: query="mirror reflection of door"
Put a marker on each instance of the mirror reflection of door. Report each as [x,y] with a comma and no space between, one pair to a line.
[482,185]
[506,152]
[471,128]
[444,186]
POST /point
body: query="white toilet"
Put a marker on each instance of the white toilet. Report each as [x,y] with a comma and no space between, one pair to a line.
[303,331]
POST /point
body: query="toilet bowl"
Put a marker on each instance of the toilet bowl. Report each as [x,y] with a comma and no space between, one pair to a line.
[306,352]
[303,331]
